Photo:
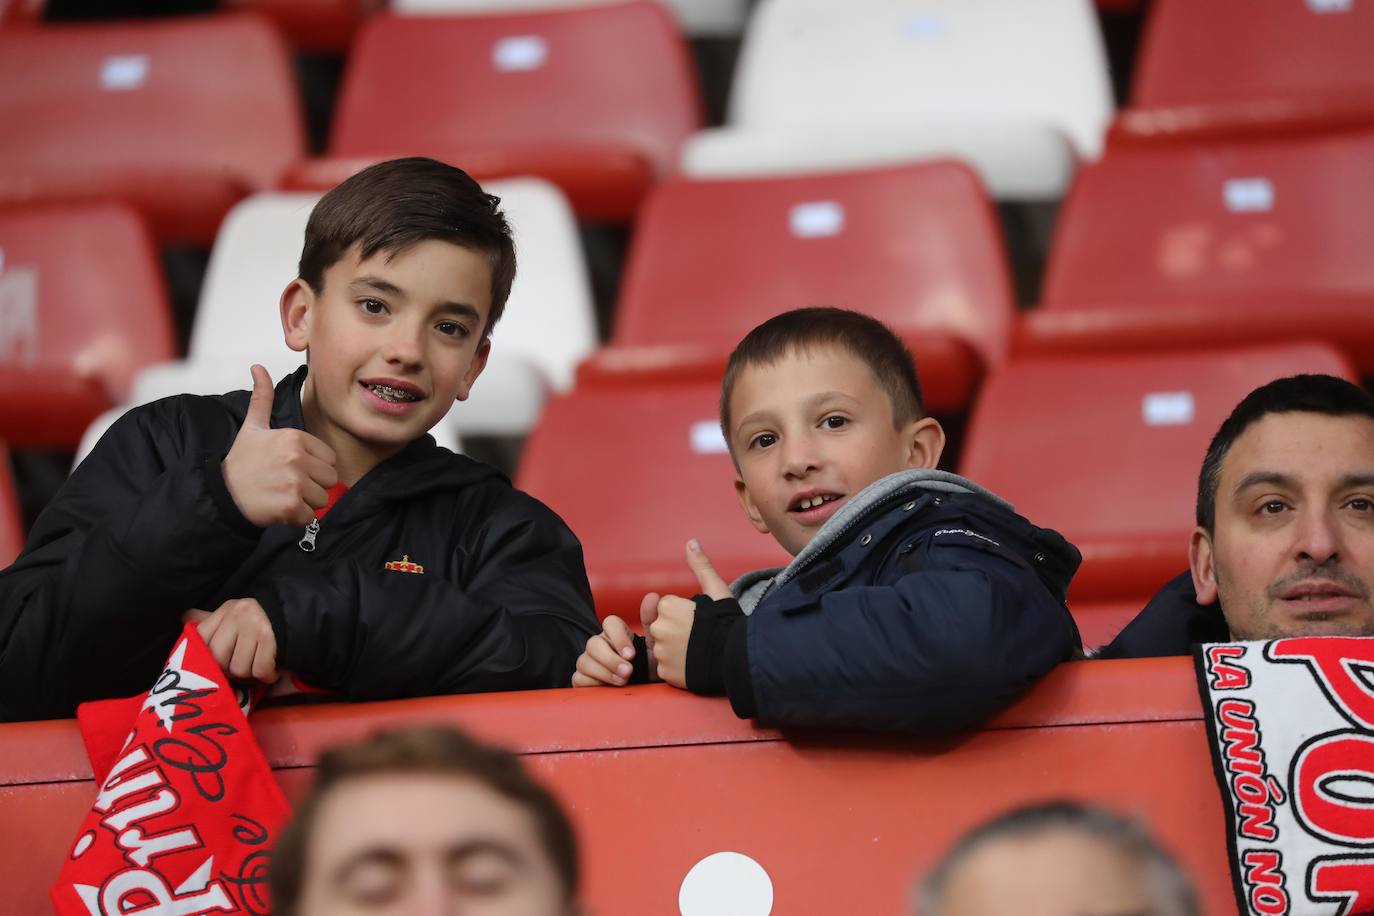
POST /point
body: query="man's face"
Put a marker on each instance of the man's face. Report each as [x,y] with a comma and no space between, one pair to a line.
[1292,553]
[425,845]
[1054,873]
[811,430]
[394,340]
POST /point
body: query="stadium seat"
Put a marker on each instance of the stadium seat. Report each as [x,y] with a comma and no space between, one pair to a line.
[20,12]
[918,246]
[1227,67]
[702,18]
[82,308]
[636,471]
[314,25]
[596,99]
[548,327]
[1202,244]
[1106,449]
[824,85]
[11,522]
[180,118]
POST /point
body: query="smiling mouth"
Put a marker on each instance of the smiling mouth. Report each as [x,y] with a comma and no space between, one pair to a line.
[394,395]
[813,502]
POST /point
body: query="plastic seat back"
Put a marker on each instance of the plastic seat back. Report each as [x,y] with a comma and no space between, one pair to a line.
[180,117]
[1106,450]
[597,99]
[636,472]
[1305,58]
[82,309]
[698,17]
[918,247]
[876,62]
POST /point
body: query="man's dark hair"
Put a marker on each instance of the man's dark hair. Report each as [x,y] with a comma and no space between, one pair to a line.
[867,338]
[1323,394]
[1171,892]
[431,751]
[392,205]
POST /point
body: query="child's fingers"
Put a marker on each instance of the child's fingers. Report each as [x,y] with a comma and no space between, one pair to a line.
[265,662]
[241,662]
[617,633]
[593,668]
[208,626]
[599,650]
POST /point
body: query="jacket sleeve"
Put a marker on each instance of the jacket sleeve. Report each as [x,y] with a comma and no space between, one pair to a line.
[135,536]
[518,621]
[940,650]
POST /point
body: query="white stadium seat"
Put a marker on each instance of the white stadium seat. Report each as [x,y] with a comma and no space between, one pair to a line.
[1021,95]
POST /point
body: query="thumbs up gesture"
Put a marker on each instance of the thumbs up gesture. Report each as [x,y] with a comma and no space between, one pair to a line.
[669,630]
[276,476]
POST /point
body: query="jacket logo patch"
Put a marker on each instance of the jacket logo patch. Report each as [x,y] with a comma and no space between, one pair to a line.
[404,564]
[965,531]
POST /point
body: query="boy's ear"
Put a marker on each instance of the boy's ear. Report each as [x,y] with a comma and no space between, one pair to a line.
[747,504]
[926,438]
[297,303]
[1200,563]
[479,362]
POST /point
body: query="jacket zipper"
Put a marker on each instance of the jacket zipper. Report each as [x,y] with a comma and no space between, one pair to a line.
[307,541]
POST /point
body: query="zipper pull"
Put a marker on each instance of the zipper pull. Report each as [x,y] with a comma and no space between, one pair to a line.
[307,542]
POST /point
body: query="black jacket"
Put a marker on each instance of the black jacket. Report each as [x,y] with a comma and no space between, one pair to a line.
[927,613]
[1171,624]
[145,528]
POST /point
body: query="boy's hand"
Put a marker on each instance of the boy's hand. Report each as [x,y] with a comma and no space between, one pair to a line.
[276,476]
[240,638]
[673,627]
[606,662]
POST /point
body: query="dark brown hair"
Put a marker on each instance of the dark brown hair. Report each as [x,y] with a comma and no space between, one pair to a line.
[867,338]
[435,750]
[392,205]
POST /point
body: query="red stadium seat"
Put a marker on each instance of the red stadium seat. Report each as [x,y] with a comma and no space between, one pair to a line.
[595,99]
[82,308]
[1223,67]
[314,25]
[636,472]
[838,823]
[1198,245]
[918,246]
[11,521]
[1106,449]
[181,118]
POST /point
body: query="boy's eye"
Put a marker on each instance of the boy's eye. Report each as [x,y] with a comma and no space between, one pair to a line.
[835,422]
[451,329]
[373,306]
[762,440]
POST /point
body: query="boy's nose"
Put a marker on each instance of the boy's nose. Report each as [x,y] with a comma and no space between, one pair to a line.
[799,457]
[403,347]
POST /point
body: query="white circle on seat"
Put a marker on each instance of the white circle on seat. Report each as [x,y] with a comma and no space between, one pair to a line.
[726,884]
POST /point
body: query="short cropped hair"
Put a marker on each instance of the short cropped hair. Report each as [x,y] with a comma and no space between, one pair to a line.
[431,751]
[1171,891]
[1323,394]
[393,205]
[866,338]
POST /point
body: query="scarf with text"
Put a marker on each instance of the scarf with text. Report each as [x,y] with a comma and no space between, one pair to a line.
[187,808]
[1291,723]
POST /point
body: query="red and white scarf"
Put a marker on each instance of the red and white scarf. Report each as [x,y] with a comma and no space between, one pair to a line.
[187,810]
[1291,723]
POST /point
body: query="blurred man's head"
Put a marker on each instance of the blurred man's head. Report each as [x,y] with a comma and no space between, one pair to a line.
[425,821]
[1057,859]
[1285,512]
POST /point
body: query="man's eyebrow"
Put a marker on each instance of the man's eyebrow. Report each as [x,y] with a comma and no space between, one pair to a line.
[1356,481]
[482,846]
[1265,478]
[368,855]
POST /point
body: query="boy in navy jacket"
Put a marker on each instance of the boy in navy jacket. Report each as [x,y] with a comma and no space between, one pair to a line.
[316,528]
[916,601]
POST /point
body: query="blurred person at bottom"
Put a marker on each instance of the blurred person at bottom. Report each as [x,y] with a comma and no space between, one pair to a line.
[426,821]
[1057,858]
